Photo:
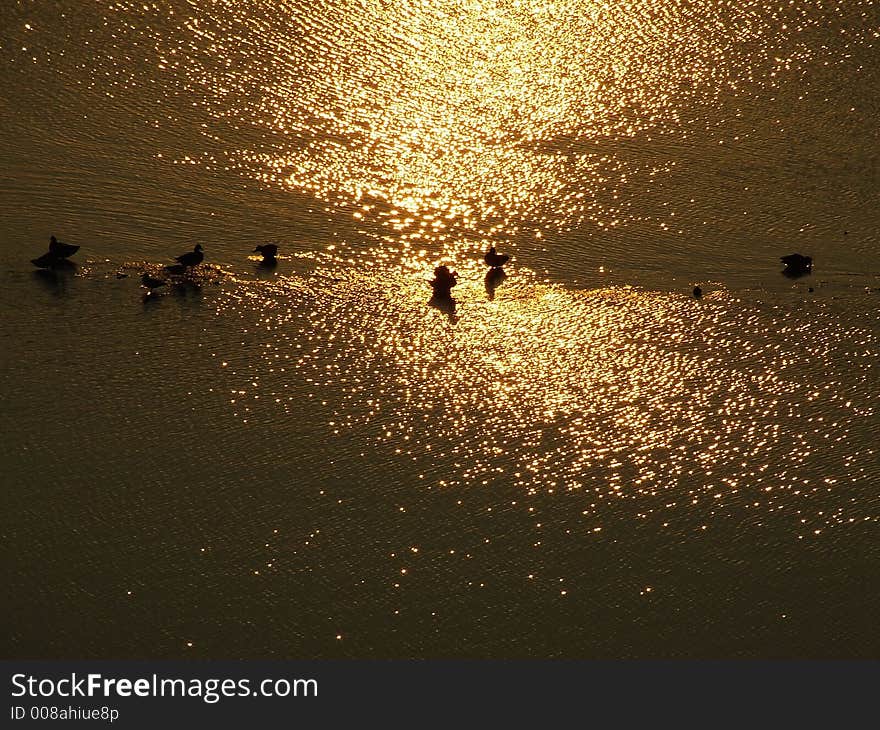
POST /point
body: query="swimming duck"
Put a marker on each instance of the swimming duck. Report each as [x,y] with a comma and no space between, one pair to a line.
[61,250]
[443,281]
[151,282]
[269,251]
[697,292]
[796,264]
[494,259]
[192,258]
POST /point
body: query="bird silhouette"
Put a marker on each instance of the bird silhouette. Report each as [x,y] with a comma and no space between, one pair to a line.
[269,251]
[191,258]
[495,259]
[61,250]
[56,256]
[796,264]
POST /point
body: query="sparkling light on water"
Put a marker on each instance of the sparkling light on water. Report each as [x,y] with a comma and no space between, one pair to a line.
[657,399]
[438,121]
[382,458]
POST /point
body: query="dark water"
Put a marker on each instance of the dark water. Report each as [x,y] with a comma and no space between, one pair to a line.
[311,461]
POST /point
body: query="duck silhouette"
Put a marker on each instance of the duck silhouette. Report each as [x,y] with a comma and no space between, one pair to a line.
[697,292]
[151,282]
[56,256]
[191,258]
[269,251]
[61,250]
[270,255]
[495,259]
[796,264]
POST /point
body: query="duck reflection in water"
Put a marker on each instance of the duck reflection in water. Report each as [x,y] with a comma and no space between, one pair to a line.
[56,276]
[494,278]
[50,266]
[151,283]
[185,287]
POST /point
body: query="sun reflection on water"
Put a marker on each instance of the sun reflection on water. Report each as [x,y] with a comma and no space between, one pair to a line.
[441,127]
[488,448]
[619,394]
[432,123]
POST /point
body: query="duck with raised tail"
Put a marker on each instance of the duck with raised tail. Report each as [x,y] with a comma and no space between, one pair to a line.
[57,254]
[61,250]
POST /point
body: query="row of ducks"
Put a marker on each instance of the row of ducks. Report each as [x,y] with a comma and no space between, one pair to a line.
[442,283]
[268,251]
[58,254]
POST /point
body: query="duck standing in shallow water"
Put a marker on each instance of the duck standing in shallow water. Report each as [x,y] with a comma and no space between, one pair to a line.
[192,258]
[797,264]
[269,252]
[494,259]
[443,281]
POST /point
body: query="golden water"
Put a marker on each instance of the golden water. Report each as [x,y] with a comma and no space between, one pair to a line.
[579,459]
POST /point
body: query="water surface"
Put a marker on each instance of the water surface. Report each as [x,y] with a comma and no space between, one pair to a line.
[579,460]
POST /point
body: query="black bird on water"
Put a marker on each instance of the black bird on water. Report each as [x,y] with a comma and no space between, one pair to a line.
[151,283]
[495,259]
[697,292]
[56,256]
[797,264]
[191,258]
[269,252]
